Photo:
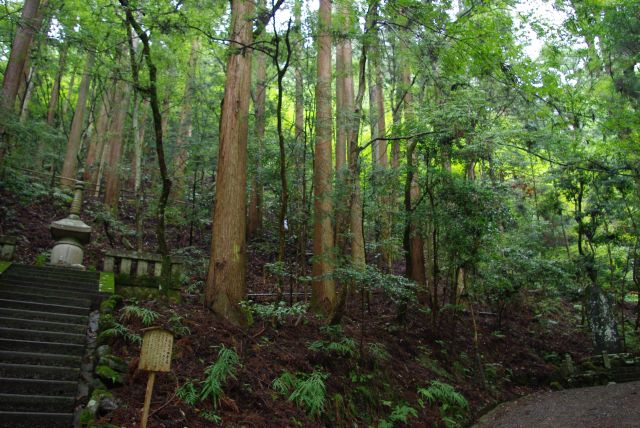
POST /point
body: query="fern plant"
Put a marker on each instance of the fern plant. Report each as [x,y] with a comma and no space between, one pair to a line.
[400,413]
[175,322]
[218,373]
[452,405]
[306,390]
[112,328]
[345,347]
[188,393]
[146,315]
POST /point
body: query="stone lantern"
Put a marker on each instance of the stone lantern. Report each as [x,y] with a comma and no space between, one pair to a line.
[71,234]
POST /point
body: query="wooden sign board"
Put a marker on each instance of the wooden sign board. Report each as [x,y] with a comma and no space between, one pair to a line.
[157,344]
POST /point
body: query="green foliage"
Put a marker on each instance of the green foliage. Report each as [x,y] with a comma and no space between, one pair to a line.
[43,258]
[345,347]
[399,289]
[211,416]
[146,315]
[452,405]
[110,328]
[379,352]
[175,324]
[188,393]
[306,390]
[277,313]
[400,413]
[218,373]
[426,360]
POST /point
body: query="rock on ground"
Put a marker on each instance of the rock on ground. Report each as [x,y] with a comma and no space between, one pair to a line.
[611,406]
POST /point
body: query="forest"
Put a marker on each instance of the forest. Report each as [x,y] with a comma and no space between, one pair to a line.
[386,213]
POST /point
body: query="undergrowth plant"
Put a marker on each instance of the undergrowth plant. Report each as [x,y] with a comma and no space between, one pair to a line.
[217,374]
[452,405]
[111,328]
[306,390]
[401,413]
[276,313]
[146,315]
[188,393]
[339,343]
[223,369]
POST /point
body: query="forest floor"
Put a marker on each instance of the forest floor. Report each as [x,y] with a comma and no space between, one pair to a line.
[372,381]
[611,406]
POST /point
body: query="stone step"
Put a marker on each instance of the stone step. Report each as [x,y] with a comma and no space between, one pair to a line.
[49,290]
[52,271]
[42,336]
[46,347]
[26,371]
[61,299]
[63,281]
[34,420]
[43,316]
[44,403]
[42,325]
[38,386]
[43,307]
[40,359]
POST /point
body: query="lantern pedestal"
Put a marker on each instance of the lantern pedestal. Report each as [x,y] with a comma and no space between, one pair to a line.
[71,234]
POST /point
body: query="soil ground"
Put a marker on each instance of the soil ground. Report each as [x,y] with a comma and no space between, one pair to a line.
[611,406]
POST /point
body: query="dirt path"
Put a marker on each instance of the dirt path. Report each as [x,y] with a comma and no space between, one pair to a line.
[613,406]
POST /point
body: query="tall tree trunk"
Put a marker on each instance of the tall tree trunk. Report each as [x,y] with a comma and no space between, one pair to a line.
[29,23]
[352,125]
[342,114]
[254,226]
[323,286]
[379,147]
[55,89]
[70,165]
[284,187]
[31,80]
[154,102]
[112,170]
[226,285]
[414,243]
[185,127]
[137,171]
[301,140]
[27,27]
[98,138]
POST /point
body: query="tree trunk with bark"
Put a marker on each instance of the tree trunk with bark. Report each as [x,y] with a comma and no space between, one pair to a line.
[254,226]
[29,23]
[98,138]
[112,170]
[323,295]
[226,280]
[185,127]
[70,165]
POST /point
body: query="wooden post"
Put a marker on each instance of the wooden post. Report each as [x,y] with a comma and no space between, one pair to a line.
[155,356]
[147,399]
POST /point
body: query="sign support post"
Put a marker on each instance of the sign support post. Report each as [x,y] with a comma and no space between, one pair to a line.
[155,356]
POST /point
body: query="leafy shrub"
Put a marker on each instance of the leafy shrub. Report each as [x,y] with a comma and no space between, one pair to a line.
[275,312]
[452,405]
[306,390]
[188,393]
[110,328]
[146,315]
[400,413]
[218,373]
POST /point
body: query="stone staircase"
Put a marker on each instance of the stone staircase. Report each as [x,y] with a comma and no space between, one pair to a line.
[44,315]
